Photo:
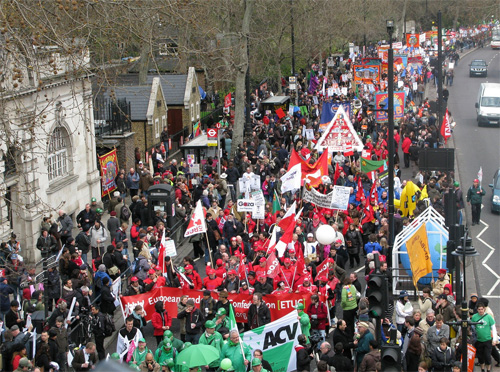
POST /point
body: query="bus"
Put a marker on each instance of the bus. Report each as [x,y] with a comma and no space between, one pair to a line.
[495,38]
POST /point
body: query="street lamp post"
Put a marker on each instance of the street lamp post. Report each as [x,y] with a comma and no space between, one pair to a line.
[463,251]
[390,113]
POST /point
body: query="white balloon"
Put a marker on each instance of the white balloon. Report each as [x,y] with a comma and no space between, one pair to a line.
[325,234]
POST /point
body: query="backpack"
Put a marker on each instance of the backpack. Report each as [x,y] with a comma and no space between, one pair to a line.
[109,325]
[125,213]
[135,266]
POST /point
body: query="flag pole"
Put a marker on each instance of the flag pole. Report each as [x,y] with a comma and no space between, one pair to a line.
[209,250]
[293,278]
[284,276]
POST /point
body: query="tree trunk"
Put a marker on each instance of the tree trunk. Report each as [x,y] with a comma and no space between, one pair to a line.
[241,70]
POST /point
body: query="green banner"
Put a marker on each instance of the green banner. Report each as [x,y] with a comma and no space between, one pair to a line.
[277,340]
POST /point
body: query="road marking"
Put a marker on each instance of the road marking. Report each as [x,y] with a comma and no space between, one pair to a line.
[492,251]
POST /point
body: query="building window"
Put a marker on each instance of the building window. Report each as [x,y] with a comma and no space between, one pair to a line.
[192,112]
[57,160]
[197,110]
[157,128]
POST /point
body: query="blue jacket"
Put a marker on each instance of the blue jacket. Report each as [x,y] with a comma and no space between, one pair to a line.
[133,181]
[370,247]
[363,347]
[5,290]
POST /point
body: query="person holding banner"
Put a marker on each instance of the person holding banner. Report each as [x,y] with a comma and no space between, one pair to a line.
[236,350]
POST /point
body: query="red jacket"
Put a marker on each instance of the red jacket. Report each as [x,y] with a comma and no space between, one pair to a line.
[159,323]
[194,278]
[321,312]
[212,284]
[406,145]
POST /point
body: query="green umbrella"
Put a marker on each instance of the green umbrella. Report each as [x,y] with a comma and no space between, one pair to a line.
[197,355]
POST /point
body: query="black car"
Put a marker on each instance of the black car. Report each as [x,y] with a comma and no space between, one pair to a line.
[478,67]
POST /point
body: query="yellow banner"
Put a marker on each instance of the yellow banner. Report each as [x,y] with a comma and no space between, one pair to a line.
[418,252]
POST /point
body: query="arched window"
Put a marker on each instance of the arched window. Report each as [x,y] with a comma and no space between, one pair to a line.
[58,162]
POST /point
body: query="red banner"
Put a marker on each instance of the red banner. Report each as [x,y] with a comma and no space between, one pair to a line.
[109,171]
[279,305]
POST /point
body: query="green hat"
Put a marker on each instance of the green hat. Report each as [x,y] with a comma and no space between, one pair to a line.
[24,362]
[168,334]
[456,184]
[256,362]
[221,312]
[209,324]
[181,269]
[115,356]
[99,210]
[226,364]
[167,345]
[142,340]
[300,306]
[93,200]
[133,366]
[186,345]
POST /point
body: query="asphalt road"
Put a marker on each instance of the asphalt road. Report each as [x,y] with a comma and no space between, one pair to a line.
[477,147]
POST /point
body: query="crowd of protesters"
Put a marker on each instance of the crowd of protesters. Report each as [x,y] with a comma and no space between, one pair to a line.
[335,323]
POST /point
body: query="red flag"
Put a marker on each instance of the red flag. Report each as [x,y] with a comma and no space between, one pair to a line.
[286,238]
[360,193]
[374,193]
[337,173]
[241,268]
[288,218]
[368,214]
[161,252]
[322,268]
[272,266]
[312,171]
[227,100]
[446,127]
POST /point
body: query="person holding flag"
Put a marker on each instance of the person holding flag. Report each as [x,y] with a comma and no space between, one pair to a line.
[475,200]
[235,349]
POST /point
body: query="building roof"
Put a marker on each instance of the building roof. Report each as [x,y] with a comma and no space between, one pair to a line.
[138,96]
[276,100]
[173,85]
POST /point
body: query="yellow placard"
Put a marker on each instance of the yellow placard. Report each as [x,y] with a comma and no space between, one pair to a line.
[418,252]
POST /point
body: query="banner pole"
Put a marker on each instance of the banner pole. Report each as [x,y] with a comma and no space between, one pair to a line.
[294,272]
[285,278]
[209,250]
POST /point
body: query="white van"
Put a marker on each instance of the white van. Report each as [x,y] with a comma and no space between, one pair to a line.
[488,104]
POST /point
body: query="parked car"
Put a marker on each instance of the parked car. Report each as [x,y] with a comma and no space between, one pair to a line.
[495,195]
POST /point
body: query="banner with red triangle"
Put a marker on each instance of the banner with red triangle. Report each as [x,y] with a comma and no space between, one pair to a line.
[338,134]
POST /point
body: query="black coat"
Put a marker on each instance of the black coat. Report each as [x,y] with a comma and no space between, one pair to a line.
[120,261]
[345,340]
[341,363]
[53,288]
[107,301]
[258,317]
[303,358]
[356,241]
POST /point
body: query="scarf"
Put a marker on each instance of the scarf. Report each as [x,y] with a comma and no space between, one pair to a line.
[350,297]
[430,323]
[136,316]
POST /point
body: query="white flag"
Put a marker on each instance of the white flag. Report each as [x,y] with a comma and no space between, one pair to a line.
[291,180]
[197,224]
[480,175]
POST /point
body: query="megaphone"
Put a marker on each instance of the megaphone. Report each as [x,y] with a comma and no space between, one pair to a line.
[357,104]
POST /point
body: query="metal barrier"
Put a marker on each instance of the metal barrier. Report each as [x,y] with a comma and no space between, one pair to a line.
[401,280]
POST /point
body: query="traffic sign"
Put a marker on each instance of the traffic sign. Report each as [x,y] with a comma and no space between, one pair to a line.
[212,136]
[212,133]
[217,125]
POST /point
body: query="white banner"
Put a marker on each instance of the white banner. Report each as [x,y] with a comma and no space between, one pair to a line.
[258,198]
[258,212]
[291,180]
[277,341]
[321,200]
[245,205]
[340,198]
